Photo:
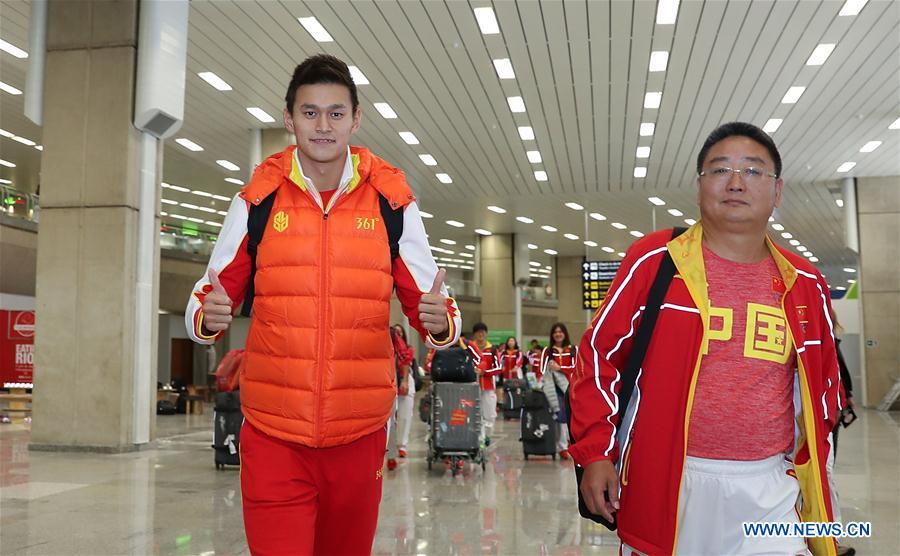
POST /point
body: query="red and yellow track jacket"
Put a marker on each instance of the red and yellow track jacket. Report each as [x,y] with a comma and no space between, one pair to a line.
[650,444]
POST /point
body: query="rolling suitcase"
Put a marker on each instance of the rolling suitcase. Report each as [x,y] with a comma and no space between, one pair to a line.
[455,431]
[538,426]
[227,423]
[513,397]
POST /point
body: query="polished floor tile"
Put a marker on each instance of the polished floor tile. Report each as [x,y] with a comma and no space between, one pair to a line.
[171,500]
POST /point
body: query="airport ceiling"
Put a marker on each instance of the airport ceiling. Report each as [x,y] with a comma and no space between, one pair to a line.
[582,82]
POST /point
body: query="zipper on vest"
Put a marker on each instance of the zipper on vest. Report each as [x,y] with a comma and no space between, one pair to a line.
[323,313]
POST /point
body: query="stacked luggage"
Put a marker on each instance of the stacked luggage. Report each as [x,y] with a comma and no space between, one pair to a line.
[538,426]
[227,423]
[513,397]
[455,412]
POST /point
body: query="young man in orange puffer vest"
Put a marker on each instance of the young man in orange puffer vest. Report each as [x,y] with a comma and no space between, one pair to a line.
[318,385]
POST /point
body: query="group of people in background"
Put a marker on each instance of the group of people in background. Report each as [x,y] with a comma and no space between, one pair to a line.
[547,369]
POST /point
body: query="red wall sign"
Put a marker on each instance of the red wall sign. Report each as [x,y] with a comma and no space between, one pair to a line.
[16,348]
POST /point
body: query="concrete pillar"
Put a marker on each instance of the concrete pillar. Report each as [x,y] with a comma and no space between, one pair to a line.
[497,287]
[568,291]
[87,245]
[878,201]
[275,140]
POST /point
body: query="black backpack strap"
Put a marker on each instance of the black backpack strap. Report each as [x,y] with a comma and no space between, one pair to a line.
[256,226]
[393,223]
[658,289]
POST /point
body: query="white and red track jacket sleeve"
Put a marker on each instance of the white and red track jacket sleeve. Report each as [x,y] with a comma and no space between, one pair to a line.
[231,261]
[414,273]
[603,354]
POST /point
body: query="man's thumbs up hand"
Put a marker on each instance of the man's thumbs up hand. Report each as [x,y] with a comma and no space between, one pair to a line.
[216,307]
[433,308]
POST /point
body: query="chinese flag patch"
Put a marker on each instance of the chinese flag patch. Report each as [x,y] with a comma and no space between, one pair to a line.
[458,417]
[778,284]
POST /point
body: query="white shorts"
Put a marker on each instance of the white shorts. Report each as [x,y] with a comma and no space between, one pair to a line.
[719,496]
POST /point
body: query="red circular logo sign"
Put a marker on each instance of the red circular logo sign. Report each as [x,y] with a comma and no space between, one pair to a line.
[23,325]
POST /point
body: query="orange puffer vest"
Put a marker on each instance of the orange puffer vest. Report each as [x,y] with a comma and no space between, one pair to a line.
[319,361]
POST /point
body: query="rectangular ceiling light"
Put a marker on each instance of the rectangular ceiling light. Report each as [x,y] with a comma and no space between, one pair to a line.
[448,242]
[207,209]
[895,125]
[794,242]
[608,249]
[516,104]
[852,7]
[690,221]
[793,95]
[525,220]
[202,193]
[7,182]
[211,223]
[636,233]
[619,226]
[574,206]
[772,125]
[228,165]
[455,224]
[839,203]
[667,12]
[9,89]
[444,178]
[29,142]
[385,110]
[315,29]
[526,133]
[820,54]
[39,147]
[482,232]
[867,148]
[357,75]
[504,68]
[12,49]
[5,133]
[643,152]
[188,205]
[534,157]
[235,181]
[409,137]
[652,100]
[778,227]
[590,243]
[424,214]
[597,216]
[179,189]
[548,228]
[540,175]
[675,212]
[7,163]
[221,198]
[217,82]
[260,114]
[221,213]
[487,21]
[428,160]
[550,251]
[659,60]
[656,201]
[640,171]
[188,144]
[532,246]
[846,167]
[573,237]
[787,235]
[647,129]
[498,210]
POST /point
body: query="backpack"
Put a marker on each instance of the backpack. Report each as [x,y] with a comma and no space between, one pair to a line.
[258,219]
[453,364]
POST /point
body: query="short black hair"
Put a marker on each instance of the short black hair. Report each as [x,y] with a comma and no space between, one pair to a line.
[321,68]
[479,326]
[741,129]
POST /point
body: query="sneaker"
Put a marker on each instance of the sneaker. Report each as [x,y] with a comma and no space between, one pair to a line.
[564,454]
[487,440]
[402,453]
[392,464]
[460,464]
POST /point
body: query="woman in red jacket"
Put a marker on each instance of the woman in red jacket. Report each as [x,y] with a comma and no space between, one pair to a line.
[511,359]
[406,402]
[558,366]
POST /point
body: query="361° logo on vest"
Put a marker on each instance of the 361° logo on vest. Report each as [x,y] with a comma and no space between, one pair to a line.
[280,222]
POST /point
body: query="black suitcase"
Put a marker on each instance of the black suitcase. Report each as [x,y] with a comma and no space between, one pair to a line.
[538,426]
[513,397]
[456,417]
[227,423]
[453,364]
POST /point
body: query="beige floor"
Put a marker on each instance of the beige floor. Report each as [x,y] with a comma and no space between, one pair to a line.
[171,500]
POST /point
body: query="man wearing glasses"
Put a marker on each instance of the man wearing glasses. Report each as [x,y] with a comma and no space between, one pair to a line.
[730,416]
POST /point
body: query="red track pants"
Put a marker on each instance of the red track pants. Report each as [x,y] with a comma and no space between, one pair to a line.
[302,500]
